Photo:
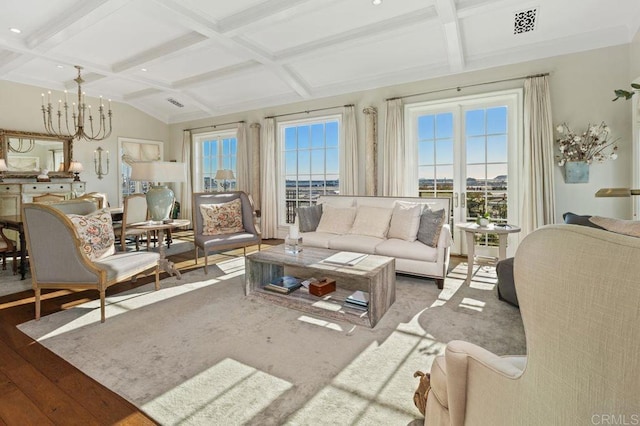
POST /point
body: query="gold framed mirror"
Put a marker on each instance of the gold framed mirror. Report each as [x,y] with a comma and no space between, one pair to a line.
[27,154]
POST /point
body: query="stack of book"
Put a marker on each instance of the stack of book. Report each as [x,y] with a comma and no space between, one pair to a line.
[284,285]
[358,300]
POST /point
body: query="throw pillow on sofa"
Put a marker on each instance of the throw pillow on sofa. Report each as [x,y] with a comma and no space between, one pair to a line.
[619,226]
[575,219]
[371,221]
[223,218]
[405,221]
[430,226]
[309,217]
[336,220]
[96,233]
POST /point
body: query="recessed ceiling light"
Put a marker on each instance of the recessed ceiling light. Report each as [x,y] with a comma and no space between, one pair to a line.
[143,69]
[59,66]
[15,30]
[376,2]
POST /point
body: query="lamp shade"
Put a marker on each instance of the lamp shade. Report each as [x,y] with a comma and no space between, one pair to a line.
[76,167]
[158,171]
[159,198]
[224,174]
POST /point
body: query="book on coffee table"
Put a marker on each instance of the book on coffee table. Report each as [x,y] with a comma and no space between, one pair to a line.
[284,285]
[358,299]
[346,258]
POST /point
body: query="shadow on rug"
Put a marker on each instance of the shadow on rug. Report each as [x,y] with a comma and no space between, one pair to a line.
[199,352]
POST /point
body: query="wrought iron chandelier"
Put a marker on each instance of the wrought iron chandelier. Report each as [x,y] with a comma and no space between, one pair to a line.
[63,124]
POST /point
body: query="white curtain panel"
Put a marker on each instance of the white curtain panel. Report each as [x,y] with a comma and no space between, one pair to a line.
[538,203]
[186,188]
[243,180]
[394,162]
[269,210]
[349,157]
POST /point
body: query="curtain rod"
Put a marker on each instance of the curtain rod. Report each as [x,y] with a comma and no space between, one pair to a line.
[459,88]
[309,110]
[214,125]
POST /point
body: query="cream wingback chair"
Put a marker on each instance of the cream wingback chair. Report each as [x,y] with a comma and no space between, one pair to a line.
[579,295]
[57,259]
[248,236]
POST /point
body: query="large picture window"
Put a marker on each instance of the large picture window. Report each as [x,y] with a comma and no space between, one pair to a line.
[215,151]
[309,163]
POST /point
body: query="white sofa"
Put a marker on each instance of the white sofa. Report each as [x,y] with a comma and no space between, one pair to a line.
[412,257]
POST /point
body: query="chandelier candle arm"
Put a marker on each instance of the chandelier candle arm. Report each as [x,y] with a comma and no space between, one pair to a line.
[75,123]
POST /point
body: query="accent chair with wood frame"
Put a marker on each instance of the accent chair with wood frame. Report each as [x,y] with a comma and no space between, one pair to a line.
[579,299]
[57,260]
[7,247]
[250,235]
[48,197]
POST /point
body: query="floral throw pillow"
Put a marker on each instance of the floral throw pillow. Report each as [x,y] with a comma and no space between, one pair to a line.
[225,218]
[96,233]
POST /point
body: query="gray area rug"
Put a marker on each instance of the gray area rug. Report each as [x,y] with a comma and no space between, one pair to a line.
[199,352]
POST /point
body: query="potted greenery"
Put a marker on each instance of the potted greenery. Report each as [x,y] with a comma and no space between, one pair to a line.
[621,93]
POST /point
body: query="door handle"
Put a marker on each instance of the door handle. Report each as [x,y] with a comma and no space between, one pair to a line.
[463,198]
[455,199]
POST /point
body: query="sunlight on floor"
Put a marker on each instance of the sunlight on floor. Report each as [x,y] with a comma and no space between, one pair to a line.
[216,393]
[473,304]
[320,323]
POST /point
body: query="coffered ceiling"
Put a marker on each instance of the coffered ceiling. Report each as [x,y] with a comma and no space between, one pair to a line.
[180,60]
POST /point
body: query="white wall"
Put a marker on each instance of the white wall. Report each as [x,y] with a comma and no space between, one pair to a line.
[582,88]
[20,110]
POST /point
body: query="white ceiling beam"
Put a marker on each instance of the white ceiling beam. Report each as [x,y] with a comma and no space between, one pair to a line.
[230,71]
[163,51]
[83,14]
[364,34]
[471,8]
[177,11]
[449,18]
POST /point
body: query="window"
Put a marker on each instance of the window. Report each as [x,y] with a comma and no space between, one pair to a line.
[309,163]
[466,149]
[132,150]
[214,151]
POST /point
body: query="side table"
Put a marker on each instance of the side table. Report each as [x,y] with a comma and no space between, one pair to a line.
[168,266]
[471,229]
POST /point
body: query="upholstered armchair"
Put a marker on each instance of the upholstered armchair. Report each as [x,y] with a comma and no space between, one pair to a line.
[220,239]
[62,257]
[579,296]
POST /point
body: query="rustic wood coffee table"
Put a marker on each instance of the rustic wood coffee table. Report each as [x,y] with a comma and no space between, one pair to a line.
[374,274]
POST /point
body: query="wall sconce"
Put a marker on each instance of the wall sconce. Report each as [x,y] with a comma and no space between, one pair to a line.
[75,167]
[97,162]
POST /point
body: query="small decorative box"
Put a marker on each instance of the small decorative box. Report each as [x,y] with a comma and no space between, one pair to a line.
[322,287]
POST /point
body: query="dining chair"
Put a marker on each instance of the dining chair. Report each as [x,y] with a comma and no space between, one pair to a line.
[7,247]
[100,197]
[134,211]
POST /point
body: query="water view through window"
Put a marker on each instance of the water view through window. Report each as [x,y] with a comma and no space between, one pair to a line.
[310,153]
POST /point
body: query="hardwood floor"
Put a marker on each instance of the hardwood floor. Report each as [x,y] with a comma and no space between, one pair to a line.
[39,388]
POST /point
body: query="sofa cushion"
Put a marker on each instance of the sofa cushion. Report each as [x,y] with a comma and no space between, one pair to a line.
[336,220]
[414,250]
[340,202]
[405,221]
[356,243]
[619,226]
[430,226]
[575,219]
[317,239]
[309,217]
[96,233]
[371,221]
[222,218]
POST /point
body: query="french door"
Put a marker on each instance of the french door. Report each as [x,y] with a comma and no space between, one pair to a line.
[466,149]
